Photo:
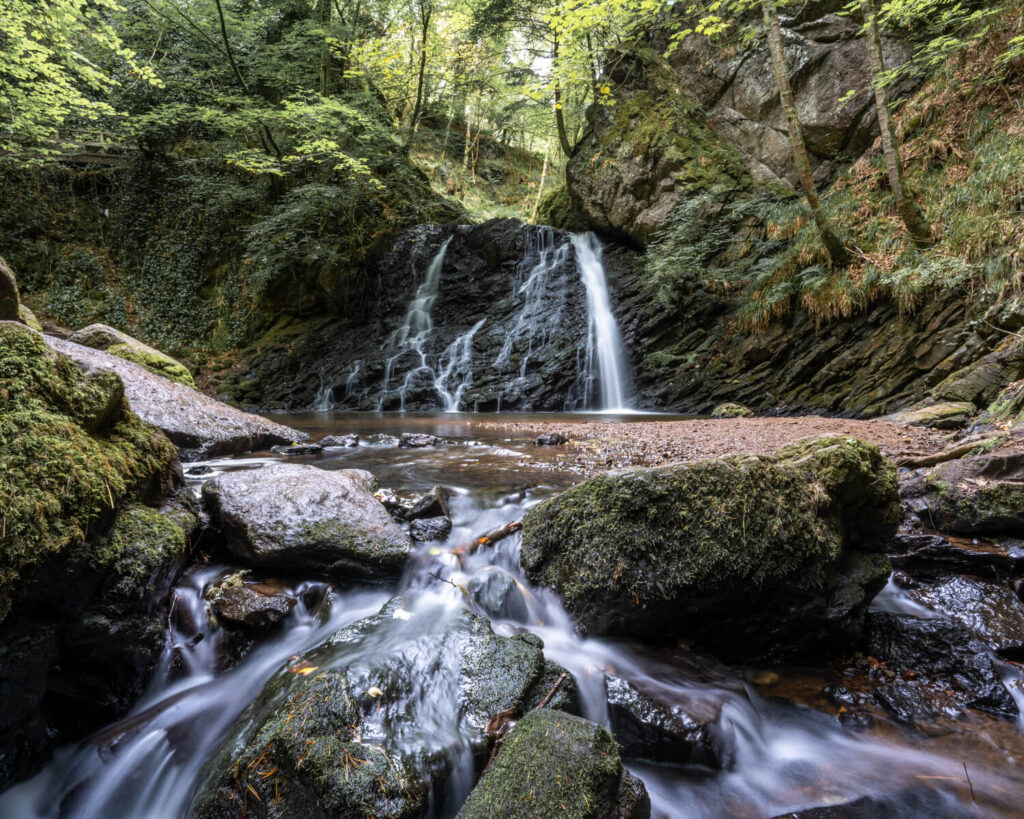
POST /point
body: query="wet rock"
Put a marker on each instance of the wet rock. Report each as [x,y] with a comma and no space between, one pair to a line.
[428,529]
[550,439]
[498,594]
[935,556]
[907,803]
[414,440]
[433,504]
[296,517]
[991,612]
[200,426]
[251,604]
[947,415]
[9,300]
[645,729]
[297,449]
[728,410]
[198,471]
[102,337]
[753,557]
[406,694]
[339,441]
[553,764]
[982,494]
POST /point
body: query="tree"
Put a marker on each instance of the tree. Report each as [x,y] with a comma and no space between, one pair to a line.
[908,209]
[836,250]
[53,82]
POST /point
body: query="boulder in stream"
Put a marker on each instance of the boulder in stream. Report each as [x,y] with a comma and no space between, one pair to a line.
[339,441]
[102,337]
[295,517]
[554,764]
[200,426]
[418,440]
[257,605]
[753,557]
[370,721]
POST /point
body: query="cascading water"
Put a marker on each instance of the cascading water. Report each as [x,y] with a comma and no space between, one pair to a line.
[776,757]
[603,363]
[323,401]
[455,369]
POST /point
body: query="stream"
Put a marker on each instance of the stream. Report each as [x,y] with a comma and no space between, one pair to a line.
[781,746]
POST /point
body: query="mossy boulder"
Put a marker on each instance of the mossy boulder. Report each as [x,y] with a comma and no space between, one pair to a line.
[947,415]
[374,718]
[729,410]
[753,557]
[981,494]
[9,300]
[554,764]
[102,337]
[71,454]
[296,517]
[28,318]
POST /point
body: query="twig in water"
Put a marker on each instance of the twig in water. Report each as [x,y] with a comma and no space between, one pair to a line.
[969,784]
[551,693]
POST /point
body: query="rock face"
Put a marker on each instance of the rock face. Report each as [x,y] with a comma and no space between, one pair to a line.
[102,337]
[520,281]
[200,426]
[383,711]
[295,517]
[642,156]
[553,764]
[973,495]
[753,557]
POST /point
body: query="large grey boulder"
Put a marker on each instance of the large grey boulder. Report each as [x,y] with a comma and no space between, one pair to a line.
[370,721]
[102,337]
[753,557]
[200,426]
[295,517]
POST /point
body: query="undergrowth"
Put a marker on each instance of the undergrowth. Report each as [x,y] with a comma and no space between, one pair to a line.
[962,140]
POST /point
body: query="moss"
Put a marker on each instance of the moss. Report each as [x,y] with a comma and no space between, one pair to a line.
[71,453]
[637,552]
[552,764]
[154,361]
[141,542]
[731,411]
[28,318]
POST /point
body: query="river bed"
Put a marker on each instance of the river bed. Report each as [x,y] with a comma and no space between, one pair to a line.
[782,745]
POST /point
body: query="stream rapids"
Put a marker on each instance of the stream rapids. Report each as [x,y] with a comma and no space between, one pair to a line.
[782,750]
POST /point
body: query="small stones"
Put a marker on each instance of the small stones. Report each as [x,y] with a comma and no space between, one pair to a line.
[415,440]
[339,441]
[431,505]
[550,439]
[428,529]
[297,449]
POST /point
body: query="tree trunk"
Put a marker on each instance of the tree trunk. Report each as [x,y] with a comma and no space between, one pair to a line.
[917,225]
[543,176]
[563,138]
[325,49]
[838,253]
[425,12]
[469,136]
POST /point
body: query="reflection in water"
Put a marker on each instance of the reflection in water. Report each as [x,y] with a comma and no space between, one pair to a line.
[777,756]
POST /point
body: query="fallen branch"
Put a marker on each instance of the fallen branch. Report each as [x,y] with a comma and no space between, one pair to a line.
[488,539]
[551,693]
[958,451]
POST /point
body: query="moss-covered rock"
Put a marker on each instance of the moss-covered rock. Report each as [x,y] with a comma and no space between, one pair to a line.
[71,453]
[729,410]
[367,723]
[745,554]
[8,294]
[947,415]
[554,764]
[28,318]
[980,494]
[102,337]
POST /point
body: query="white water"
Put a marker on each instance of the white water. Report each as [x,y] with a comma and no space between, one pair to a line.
[323,401]
[455,369]
[604,341]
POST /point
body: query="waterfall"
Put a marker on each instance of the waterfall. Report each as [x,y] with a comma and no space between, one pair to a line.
[456,363]
[604,342]
[415,329]
[323,401]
